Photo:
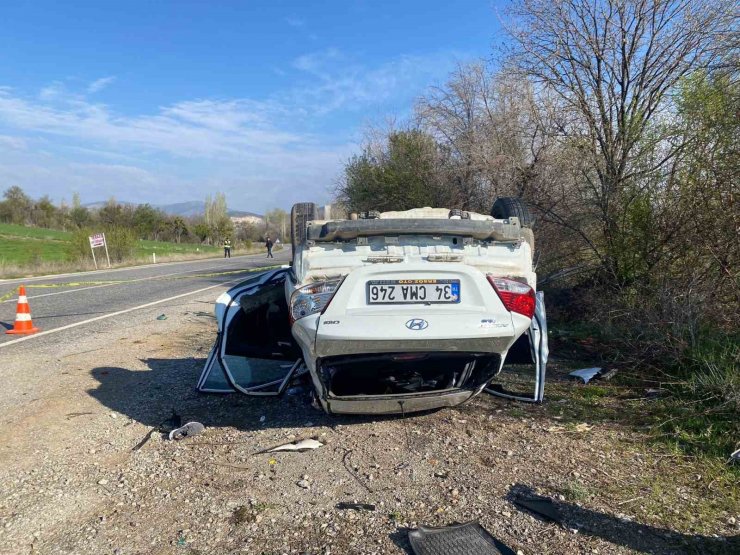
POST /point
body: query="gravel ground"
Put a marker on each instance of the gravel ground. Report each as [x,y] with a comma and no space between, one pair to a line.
[70,481]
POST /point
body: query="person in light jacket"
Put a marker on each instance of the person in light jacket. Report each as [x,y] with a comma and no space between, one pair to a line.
[227,248]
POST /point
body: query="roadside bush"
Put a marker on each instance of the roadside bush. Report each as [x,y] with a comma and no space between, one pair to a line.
[712,374]
[78,247]
[701,415]
[121,245]
[668,335]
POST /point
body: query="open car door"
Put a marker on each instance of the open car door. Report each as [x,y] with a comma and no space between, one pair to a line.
[254,352]
[526,362]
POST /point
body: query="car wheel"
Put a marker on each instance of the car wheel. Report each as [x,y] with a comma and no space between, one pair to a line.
[507,207]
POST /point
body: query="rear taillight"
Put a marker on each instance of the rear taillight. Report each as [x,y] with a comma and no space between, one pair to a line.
[517,296]
[312,298]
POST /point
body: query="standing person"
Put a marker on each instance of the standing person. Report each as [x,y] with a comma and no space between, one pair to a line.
[268,244]
[227,247]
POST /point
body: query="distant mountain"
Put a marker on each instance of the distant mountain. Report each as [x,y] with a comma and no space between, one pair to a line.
[191,208]
[197,207]
[243,214]
[102,203]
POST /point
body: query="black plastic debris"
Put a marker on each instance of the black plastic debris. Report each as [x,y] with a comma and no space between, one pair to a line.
[542,507]
[458,539]
[164,427]
[344,505]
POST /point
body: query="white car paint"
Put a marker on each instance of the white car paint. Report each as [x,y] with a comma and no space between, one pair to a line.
[350,326]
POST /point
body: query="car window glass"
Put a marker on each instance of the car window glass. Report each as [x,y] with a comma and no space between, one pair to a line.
[249,372]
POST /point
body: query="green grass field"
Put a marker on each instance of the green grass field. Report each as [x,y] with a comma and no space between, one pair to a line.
[26,245]
[146,248]
[29,246]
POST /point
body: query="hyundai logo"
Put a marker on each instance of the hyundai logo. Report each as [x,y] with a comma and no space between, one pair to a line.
[417,324]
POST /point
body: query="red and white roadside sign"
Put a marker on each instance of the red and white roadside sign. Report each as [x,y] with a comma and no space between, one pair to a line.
[98,240]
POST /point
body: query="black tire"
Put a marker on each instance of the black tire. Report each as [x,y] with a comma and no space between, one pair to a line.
[300,214]
[507,207]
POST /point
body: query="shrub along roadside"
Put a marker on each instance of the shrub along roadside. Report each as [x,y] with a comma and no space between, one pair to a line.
[121,245]
[696,413]
[702,416]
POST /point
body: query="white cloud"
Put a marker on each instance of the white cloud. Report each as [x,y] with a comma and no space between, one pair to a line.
[295,21]
[52,91]
[318,62]
[200,127]
[16,143]
[261,152]
[100,84]
[181,152]
[341,83]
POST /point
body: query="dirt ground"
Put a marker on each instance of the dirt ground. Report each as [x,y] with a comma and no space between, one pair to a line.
[72,483]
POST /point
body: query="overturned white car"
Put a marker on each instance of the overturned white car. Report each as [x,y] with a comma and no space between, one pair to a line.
[390,312]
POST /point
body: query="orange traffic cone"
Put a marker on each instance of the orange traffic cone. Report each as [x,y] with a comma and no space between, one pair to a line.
[23,323]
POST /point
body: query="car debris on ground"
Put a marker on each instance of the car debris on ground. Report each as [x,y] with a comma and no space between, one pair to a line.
[188,430]
[296,446]
[585,374]
[435,468]
[345,505]
[469,538]
[543,507]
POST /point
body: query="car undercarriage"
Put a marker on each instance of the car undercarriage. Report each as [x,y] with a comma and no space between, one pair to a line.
[385,316]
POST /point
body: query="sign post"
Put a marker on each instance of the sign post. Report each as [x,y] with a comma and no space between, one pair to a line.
[98,240]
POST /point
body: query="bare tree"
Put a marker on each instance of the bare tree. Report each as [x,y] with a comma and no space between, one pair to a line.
[613,63]
[498,129]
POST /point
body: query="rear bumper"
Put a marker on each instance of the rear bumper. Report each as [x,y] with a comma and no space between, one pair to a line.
[338,347]
[396,404]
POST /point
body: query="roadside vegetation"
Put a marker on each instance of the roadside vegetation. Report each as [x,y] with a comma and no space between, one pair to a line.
[28,250]
[628,153]
[38,236]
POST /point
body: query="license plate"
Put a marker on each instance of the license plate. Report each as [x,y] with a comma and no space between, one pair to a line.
[412,291]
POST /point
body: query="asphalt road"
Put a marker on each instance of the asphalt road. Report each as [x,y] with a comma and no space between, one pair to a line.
[65,306]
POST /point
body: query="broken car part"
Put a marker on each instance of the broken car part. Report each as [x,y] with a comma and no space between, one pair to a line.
[296,446]
[543,507]
[344,505]
[188,430]
[532,348]
[586,374]
[458,539]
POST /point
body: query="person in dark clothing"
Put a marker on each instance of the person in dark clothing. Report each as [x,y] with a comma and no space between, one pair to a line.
[268,244]
[227,248]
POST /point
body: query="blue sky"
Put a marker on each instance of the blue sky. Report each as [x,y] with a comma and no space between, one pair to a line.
[167,101]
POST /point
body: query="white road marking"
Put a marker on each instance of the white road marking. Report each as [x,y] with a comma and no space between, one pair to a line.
[123,269]
[67,291]
[118,313]
[150,278]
